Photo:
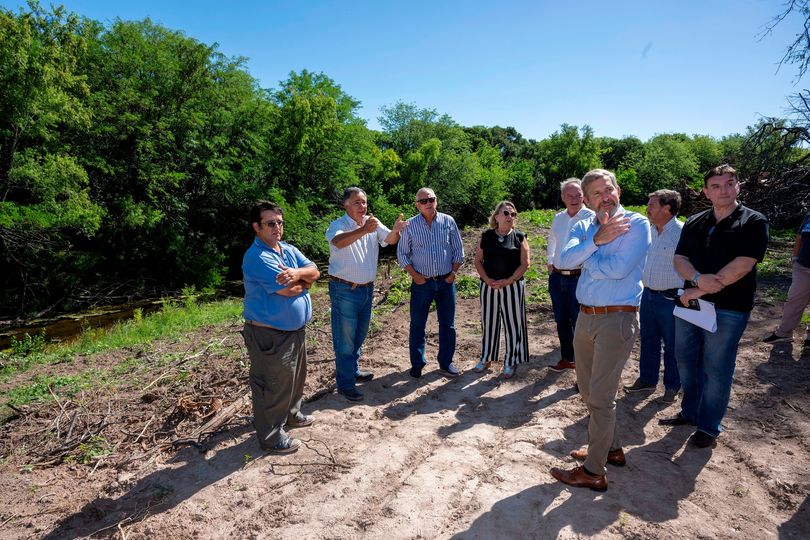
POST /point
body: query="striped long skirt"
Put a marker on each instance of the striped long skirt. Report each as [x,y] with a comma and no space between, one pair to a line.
[505,308]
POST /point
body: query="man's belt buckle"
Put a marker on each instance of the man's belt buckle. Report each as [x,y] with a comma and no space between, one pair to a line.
[351,283]
[574,272]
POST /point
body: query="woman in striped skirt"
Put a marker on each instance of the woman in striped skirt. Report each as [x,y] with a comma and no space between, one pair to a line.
[501,259]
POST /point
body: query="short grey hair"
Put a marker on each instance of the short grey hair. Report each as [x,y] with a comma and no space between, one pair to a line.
[595,174]
[352,191]
[568,181]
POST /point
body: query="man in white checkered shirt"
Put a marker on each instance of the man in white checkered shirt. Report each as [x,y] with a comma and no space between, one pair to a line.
[354,246]
[657,301]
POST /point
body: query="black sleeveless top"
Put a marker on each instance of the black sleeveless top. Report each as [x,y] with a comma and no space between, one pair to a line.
[501,254]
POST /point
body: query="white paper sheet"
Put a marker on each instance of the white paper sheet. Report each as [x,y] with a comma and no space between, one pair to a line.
[705,318]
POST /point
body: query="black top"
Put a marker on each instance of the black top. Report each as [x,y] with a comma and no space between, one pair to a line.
[710,246]
[804,246]
[501,253]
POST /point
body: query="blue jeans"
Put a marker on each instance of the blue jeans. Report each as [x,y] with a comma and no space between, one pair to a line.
[421,297]
[706,363]
[563,292]
[351,313]
[657,325]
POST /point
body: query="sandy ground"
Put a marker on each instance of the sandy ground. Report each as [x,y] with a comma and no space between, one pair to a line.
[440,458]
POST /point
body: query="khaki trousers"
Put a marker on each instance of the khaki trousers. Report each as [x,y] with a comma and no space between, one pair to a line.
[278,370]
[797,300]
[602,345]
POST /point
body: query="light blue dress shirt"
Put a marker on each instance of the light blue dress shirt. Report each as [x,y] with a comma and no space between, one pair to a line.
[611,273]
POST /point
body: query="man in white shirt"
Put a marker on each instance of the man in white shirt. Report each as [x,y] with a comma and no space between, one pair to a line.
[661,282]
[562,282]
[354,246]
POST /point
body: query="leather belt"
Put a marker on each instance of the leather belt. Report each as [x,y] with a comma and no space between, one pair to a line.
[574,272]
[603,310]
[437,278]
[670,294]
[350,283]
[262,325]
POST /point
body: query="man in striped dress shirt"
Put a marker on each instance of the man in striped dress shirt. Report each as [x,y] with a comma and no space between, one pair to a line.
[430,251]
[354,247]
[661,282]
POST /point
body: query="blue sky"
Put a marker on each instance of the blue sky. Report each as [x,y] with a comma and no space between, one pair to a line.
[624,68]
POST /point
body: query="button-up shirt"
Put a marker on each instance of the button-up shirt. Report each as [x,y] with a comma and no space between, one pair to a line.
[611,273]
[431,250]
[558,235]
[356,262]
[260,267]
[659,270]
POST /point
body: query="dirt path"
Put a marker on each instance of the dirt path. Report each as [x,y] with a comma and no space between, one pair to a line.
[464,458]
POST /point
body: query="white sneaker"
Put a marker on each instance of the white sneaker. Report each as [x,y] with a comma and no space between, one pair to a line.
[508,372]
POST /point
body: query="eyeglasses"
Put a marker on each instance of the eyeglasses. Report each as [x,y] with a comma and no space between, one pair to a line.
[426,200]
[508,213]
[271,224]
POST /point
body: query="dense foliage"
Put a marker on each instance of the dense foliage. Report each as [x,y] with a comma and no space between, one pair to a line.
[130,153]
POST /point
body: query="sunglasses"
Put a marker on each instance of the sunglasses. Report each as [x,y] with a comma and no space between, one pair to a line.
[426,200]
[510,214]
[271,224]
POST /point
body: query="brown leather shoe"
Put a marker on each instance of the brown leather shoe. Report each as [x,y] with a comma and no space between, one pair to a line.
[562,365]
[615,457]
[577,477]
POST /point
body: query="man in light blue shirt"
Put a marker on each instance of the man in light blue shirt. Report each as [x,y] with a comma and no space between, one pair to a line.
[277,277]
[611,248]
[661,282]
[430,251]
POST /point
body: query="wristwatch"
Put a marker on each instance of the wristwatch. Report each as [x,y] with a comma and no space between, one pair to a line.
[694,280]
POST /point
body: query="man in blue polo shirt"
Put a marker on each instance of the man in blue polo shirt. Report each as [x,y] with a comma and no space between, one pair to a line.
[277,308]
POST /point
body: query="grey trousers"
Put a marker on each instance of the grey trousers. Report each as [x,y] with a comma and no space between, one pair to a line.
[278,370]
[602,345]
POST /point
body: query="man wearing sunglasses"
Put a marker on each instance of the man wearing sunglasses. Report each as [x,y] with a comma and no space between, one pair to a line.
[277,307]
[354,246]
[430,251]
[717,257]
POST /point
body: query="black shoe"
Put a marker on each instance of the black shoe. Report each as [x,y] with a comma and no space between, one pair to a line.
[639,386]
[702,440]
[416,372]
[773,338]
[352,394]
[363,376]
[676,420]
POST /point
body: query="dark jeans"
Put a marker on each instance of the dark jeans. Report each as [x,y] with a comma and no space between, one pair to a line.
[657,326]
[351,313]
[563,292]
[706,363]
[421,297]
